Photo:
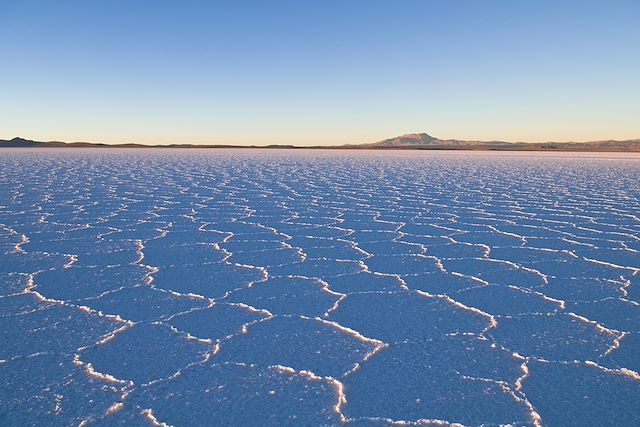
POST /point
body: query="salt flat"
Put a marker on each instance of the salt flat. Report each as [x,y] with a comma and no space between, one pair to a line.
[295,287]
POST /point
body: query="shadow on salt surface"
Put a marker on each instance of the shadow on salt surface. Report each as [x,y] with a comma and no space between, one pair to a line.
[327,233]
[313,221]
[30,223]
[439,282]
[21,303]
[8,237]
[505,300]
[582,289]
[372,236]
[140,354]
[158,254]
[567,242]
[437,381]
[364,282]
[216,322]
[63,246]
[299,343]
[13,283]
[429,231]
[576,268]
[89,252]
[365,221]
[240,246]
[97,258]
[390,248]
[411,264]
[340,250]
[627,355]
[496,272]
[620,257]
[303,241]
[633,293]
[30,262]
[187,237]
[490,238]
[395,317]
[143,303]
[259,235]
[244,230]
[210,280]
[126,415]
[612,313]
[78,283]
[322,268]
[413,240]
[527,255]
[55,329]
[50,390]
[266,257]
[293,296]
[596,398]
[457,250]
[237,395]
[552,336]
[150,232]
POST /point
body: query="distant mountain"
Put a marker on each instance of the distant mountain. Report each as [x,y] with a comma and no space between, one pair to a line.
[18,142]
[424,141]
[412,141]
[409,139]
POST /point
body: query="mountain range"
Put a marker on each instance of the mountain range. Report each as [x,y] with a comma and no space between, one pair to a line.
[428,142]
[413,141]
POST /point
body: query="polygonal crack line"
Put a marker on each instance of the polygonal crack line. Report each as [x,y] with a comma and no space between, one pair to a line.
[127,386]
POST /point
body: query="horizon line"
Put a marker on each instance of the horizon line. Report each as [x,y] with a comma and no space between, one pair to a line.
[212,144]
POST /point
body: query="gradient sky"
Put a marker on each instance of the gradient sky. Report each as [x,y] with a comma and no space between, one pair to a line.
[319,72]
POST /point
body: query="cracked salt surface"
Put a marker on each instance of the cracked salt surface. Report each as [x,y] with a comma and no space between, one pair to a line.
[318,288]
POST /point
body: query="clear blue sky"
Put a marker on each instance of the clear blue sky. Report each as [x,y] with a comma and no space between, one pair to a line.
[311,72]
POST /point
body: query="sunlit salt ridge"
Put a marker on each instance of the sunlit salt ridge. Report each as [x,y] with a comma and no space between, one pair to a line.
[319,288]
